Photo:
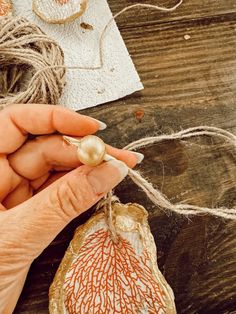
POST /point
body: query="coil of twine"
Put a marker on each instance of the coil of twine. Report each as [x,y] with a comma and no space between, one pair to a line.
[24,51]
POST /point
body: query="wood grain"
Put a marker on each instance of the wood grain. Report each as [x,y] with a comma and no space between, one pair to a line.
[189,10]
[181,72]
[187,83]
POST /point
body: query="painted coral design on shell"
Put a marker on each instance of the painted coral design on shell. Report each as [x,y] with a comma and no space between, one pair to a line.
[5,7]
[106,277]
[101,276]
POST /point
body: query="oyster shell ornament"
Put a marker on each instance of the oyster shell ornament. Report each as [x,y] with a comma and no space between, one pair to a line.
[5,7]
[100,275]
[59,11]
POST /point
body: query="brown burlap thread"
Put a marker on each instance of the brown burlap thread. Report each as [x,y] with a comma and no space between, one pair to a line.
[154,194]
[23,43]
[25,50]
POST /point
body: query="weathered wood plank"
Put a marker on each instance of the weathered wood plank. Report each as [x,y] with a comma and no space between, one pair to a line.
[180,72]
[189,10]
[204,253]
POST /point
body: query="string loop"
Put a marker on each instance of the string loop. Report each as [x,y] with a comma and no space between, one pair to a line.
[101,39]
[155,195]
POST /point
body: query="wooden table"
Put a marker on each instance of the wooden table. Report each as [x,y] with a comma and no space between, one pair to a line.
[187,63]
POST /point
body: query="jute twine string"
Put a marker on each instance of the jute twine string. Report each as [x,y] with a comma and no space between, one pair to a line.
[24,48]
[44,80]
[155,195]
[101,39]
[24,44]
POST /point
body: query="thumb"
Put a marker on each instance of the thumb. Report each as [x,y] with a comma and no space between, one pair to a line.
[33,224]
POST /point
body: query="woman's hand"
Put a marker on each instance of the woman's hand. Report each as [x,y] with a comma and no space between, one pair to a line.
[43,186]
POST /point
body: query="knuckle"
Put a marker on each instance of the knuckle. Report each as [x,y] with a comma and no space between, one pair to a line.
[73,199]
[67,200]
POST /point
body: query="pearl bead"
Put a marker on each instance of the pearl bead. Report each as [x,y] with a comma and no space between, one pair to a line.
[91,150]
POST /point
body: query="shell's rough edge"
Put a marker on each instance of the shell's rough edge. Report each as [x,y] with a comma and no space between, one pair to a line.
[140,216]
[68,19]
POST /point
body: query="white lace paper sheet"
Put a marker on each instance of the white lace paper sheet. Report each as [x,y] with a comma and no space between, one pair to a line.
[87,88]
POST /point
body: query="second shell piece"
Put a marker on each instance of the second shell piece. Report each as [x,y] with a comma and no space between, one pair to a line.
[59,11]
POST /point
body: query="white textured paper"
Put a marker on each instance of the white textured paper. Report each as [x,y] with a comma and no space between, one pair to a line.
[88,88]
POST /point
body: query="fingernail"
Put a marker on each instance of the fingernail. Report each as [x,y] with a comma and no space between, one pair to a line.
[102,125]
[139,157]
[121,166]
[105,177]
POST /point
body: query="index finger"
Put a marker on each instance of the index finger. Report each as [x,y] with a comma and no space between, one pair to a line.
[17,121]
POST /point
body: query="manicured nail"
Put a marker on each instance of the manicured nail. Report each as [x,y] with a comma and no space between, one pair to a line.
[121,166]
[102,125]
[139,157]
[106,176]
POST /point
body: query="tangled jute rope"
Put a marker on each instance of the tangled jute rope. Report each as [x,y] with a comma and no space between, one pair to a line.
[155,195]
[24,51]
[101,39]
[24,46]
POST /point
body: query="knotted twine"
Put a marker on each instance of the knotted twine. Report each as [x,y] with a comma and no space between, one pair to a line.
[154,194]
